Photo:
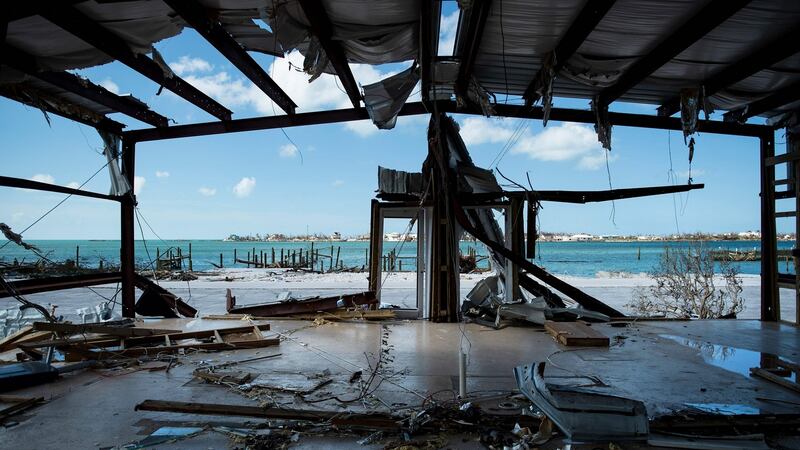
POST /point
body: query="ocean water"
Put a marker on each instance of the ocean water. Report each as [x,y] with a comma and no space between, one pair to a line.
[586,259]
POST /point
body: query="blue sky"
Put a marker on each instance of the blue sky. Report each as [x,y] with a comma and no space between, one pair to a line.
[257,182]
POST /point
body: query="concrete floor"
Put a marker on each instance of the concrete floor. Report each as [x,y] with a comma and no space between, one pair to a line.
[667,365]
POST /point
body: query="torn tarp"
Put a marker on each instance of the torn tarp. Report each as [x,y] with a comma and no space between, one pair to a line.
[385,98]
[111,150]
[582,414]
[16,238]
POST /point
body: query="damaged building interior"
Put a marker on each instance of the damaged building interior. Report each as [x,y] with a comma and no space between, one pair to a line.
[524,359]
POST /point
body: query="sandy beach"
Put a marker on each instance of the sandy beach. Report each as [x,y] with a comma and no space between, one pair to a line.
[207,293]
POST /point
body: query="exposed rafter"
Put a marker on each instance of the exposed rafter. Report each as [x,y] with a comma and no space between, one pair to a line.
[93,120]
[468,40]
[21,183]
[430,13]
[106,41]
[710,16]
[323,30]
[586,21]
[217,36]
[762,58]
[781,97]
[84,88]
[417,108]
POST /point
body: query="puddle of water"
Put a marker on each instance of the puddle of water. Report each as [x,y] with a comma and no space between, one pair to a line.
[726,409]
[733,359]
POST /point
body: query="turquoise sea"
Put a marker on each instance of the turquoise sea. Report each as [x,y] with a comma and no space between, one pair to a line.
[587,259]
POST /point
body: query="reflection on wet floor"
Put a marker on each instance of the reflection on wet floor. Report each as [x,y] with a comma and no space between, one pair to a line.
[738,360]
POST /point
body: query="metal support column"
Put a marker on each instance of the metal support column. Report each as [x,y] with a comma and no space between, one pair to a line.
[127,205]
[770,310]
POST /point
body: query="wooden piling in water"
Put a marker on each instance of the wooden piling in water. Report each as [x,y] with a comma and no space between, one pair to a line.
[273,255]
[338,251]
[190,258]
[220,260]
[77,256]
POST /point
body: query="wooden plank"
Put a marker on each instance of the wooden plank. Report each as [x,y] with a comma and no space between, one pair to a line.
[101,329]
[769,376]
[19,404]
[212,346]
[576,334]
[339,418]
[236,377]
[9,342]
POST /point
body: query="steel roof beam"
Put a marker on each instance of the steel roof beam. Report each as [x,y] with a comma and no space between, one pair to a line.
[781,97]
[710,16]
[585,22]
[72,83]
[216,35]
[762,58]
[111,44]
[104,123]
[321,28]
[430,15]
[469,39]
[417,108]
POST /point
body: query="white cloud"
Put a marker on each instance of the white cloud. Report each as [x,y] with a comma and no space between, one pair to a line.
[244,187]
[363,128]
[288,151]
[15,217]
[324,93]
[138,184]
[110,85]
[565,142]
[162,174]
[208,192]
[44,178]
[482,130]
[187,64]
[447,33]
[338,183]
[73,185]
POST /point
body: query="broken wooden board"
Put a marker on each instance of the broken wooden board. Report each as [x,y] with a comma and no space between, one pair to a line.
[164,349]
[9,342]
[304,306]
[68,328]
[338,418]
[769,376]
[17,405]
[157,301]
[219,377]
[576,334]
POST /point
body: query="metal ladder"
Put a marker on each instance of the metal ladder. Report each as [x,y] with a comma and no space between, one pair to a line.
[791,160]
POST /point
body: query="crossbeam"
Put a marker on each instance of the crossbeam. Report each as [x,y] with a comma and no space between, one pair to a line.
[578,31]
[216,35]
[709,17]
[93,120]
[38,186]
[111,44]
[562,196]
[417,108]
[773,52]
[321,28]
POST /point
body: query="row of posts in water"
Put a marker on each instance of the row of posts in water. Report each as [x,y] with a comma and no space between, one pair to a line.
[321,259]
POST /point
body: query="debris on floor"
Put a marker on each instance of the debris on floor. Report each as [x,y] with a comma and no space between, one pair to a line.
[583,415]
[294,306]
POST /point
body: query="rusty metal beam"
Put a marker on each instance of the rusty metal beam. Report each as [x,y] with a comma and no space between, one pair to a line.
[216,35]
[113,45]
